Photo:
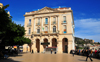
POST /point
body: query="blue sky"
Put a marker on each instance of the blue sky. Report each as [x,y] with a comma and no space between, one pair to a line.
[86,14]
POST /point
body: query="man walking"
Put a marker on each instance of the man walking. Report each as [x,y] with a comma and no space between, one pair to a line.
[88,54]
[73,52]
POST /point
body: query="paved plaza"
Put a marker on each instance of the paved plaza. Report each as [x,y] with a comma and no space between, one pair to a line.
[40,57]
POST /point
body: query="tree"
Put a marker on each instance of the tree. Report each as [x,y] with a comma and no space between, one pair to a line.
[10,32]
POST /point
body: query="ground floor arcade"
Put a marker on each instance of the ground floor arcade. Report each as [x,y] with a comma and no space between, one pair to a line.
[61,44]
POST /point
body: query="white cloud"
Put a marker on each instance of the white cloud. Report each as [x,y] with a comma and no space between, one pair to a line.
[88,28]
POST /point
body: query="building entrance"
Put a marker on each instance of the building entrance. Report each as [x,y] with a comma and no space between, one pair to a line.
[38,45]
[54,42]
[65,45]
[45,41]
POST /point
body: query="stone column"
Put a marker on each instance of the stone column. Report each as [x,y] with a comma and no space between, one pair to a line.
[59,45]
[34,46]
[69,46]
[34,24]
[50,23]
[42,23]
[41,46]
[58,22]
[73,43]
[50,40]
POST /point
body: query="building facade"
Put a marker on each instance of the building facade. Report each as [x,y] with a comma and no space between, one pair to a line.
[50,28]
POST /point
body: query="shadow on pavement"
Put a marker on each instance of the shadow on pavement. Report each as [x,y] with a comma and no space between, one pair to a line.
[8,60]
[15,55]
[81,60]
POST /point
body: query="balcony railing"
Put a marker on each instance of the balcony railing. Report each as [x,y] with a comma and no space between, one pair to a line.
[45,23]
[38,24]
[54,22]
[64,21]
[44,32]
[29,24]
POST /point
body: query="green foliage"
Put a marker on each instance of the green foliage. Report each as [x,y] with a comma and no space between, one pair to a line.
[81,48]
[10,32]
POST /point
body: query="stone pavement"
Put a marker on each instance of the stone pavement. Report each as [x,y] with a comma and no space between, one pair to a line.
[40,57]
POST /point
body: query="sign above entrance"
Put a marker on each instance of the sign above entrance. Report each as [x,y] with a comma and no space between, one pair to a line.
[47,43]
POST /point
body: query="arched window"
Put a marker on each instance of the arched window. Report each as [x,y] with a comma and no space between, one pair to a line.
[54,29]
[46,20]
[29,31]
[64,29]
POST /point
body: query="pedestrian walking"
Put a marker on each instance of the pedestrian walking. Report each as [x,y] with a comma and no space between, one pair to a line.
[73,52]
[95,52]
[51,51]
[88,54]
[32,51]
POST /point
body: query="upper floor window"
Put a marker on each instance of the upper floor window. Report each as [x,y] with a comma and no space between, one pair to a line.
[64,29]
[46,20]
[38,30]
[29,32]
[64,19]
[46,28]
[29,21]
[54,20]
[38,21]
[54,29]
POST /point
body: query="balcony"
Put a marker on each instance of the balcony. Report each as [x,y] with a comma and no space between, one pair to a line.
[45,23]
[54,22]
[64,22]
[29,25]
[38,24]
[43,33]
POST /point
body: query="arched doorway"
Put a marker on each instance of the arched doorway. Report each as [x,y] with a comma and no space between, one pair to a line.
[65,45]
[54,42]
[38,45]
[45,41]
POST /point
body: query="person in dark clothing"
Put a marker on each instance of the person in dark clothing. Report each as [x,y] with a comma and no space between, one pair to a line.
[88,54]
[73,52]
[32,51]
[51,51]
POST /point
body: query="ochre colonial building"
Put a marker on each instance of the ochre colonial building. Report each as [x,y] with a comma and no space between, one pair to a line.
[50,28]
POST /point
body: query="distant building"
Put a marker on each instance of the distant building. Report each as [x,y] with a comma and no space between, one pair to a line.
[50,28]
[89,40]
[1,5]
[95,47]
